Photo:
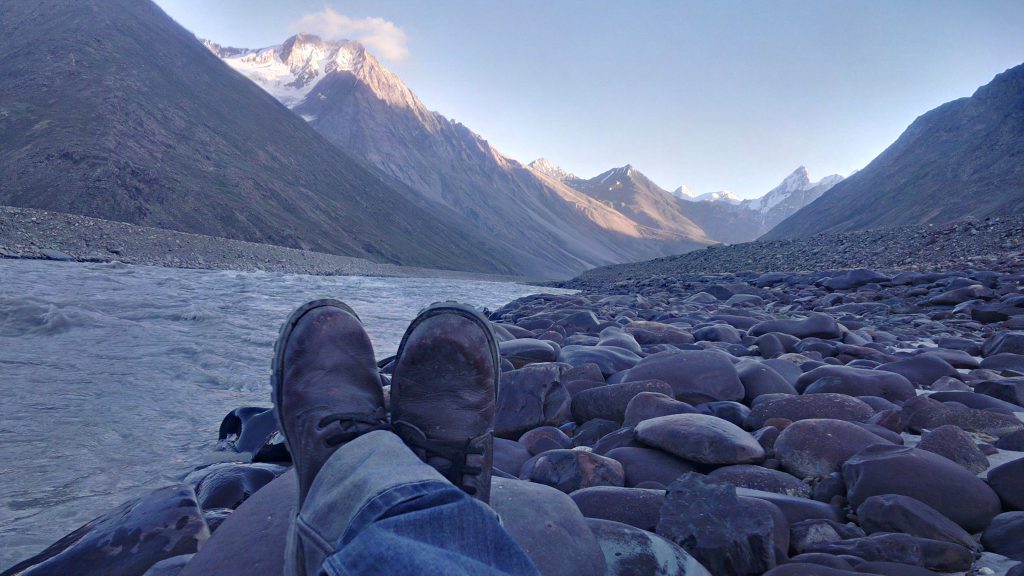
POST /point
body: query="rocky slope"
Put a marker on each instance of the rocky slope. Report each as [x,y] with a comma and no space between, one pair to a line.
[966,243]
[964,158]
[367,111]
[110,109]
[26,233]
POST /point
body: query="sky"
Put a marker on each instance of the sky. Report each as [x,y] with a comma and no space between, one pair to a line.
[716,95]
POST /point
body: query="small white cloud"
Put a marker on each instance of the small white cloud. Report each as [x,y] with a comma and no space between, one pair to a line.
[381,36]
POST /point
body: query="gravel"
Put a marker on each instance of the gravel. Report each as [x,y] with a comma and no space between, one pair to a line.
[40,234]
[956,245]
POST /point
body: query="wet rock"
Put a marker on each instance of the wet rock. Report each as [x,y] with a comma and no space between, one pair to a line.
[945,486]
[711,523]
[128,540]
[1008,482]
[637,507]
[696,376]
[609,402]
[549,528]
[545,438]
[816,325]
[1005,535]
[815,448]
[569,470]
[760,478]
[228,485]
[953,443]
[794,408]
[252,430]
[896,513]
[530,397]
[700,438]
[856,382]
[647,405]
[649,465]
[632,552]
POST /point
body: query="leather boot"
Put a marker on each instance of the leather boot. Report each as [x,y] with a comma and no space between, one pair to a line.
[324,385]
[444,392]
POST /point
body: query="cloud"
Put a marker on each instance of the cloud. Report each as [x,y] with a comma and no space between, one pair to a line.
[380,36]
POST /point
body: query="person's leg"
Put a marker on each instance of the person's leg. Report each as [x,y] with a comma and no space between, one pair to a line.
[375,508]
[367,504]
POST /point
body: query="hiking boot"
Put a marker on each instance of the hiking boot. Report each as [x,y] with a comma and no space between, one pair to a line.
[324,385]
[444,391]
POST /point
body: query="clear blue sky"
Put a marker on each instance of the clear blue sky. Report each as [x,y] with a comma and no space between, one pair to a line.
[715,95]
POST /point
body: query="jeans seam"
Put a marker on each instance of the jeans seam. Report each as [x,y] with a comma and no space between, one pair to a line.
[308,532]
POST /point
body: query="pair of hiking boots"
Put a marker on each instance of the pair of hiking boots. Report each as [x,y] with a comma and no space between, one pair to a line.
[327,390]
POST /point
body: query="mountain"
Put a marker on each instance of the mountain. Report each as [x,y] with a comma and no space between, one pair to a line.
[367,111]
[796,191]
[721,196]
[110,109]
[684,192]
[962,159]
[550,170]
[628,191]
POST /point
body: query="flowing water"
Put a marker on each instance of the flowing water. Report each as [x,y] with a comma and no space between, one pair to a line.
[114,378]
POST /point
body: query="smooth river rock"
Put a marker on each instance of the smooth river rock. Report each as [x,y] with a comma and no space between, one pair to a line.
[700,438]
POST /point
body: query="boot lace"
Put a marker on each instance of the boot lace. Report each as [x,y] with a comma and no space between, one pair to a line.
[353,425]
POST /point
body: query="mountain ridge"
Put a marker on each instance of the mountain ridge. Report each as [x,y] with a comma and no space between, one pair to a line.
[964,158]
[142,124]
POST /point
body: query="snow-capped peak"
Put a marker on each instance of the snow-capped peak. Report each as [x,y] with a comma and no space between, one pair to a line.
[290,70]
[798,184]
[720,196]
[799,179]
[684,192]
[551,169]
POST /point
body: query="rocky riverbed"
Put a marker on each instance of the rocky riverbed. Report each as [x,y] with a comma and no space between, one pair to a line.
[815,423]
[967,244]
[38,234]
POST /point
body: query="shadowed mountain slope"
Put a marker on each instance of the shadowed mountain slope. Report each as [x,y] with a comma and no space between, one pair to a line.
[110,109]
[962,159]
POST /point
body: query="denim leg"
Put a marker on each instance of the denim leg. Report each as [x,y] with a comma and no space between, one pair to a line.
[375,508]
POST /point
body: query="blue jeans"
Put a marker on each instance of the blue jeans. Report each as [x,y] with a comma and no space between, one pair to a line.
[375,508]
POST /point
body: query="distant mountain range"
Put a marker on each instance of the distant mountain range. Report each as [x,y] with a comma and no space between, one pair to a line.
[962,159]
[348,96]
